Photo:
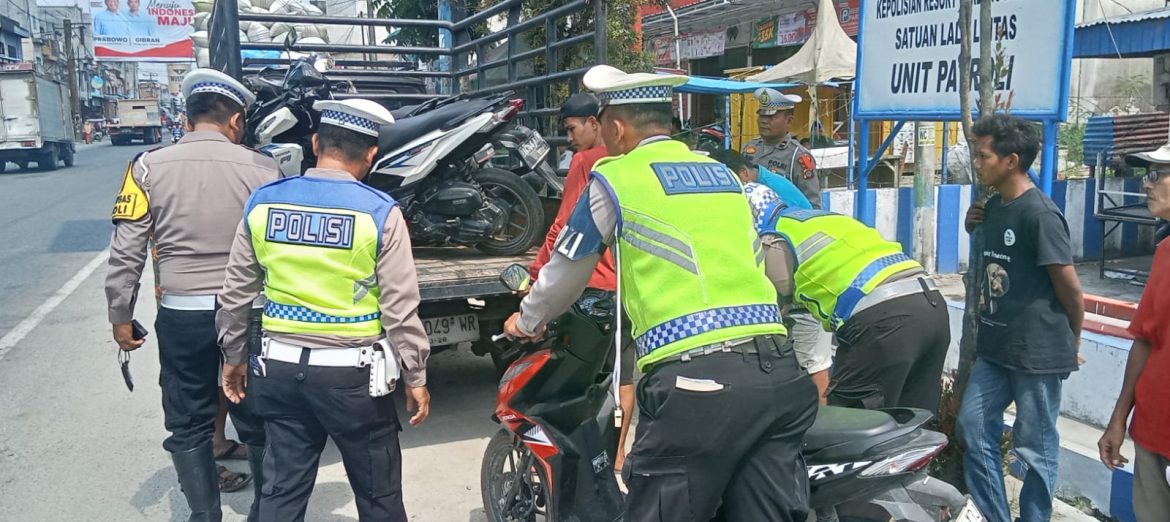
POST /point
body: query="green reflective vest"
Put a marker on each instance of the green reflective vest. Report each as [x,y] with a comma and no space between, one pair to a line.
[839,260]
[689,256]
[318,242]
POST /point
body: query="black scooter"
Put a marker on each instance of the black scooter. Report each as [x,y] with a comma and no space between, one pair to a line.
[553,459]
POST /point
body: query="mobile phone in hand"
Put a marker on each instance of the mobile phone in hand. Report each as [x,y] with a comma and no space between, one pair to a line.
[138,332]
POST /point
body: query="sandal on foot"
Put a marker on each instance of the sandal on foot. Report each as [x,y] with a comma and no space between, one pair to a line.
[230,481]
[235,451]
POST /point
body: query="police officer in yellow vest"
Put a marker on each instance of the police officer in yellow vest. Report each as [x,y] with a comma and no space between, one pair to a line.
[724,405]
[892,325]
[333,258]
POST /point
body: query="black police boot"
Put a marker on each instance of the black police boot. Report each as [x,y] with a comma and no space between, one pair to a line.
[256,463]
[198,480]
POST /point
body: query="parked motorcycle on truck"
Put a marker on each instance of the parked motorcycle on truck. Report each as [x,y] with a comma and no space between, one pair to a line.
[552,460]
[432,160]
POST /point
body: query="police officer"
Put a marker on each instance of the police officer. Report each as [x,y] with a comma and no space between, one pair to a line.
[777,150]
[779,155]
[190,196]
[333,258]
[891,322]
[723,404]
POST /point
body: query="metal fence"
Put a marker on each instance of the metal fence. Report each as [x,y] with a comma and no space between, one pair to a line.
[478,65]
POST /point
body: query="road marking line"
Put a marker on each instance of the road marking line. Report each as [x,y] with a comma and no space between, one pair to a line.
[30,323]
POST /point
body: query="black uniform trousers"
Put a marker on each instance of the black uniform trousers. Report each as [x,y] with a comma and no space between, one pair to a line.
[734,450]
[191,361]
[892,355]
[303,404]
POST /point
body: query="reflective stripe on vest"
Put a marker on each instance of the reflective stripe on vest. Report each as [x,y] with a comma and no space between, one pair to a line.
[689,255]
[681,328]
[308,315]
[849,299]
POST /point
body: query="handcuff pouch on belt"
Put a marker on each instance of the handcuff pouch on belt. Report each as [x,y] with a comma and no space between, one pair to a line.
[384,371]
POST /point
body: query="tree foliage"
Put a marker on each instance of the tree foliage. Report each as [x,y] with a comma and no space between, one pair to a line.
[624,43]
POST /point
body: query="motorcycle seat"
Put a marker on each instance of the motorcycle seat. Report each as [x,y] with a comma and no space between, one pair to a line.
[835,425]
[401,132]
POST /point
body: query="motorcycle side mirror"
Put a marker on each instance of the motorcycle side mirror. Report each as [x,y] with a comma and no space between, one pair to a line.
[290,39]
[516,277]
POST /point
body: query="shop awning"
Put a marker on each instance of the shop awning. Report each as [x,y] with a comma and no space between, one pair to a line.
[1134,35]
[705,85]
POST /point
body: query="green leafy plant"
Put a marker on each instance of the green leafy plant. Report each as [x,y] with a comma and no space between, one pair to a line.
[1072,137]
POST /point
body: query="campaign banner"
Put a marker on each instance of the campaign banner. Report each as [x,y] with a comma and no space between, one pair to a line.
[908,66]
[143,30]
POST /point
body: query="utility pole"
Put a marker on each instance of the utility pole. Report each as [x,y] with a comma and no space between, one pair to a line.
[924,200]
[74,104]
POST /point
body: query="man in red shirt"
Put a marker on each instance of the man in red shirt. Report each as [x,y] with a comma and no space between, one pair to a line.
[579,116]
[1145,391]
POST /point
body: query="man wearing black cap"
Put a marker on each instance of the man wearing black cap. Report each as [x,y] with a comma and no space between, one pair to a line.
[579,116]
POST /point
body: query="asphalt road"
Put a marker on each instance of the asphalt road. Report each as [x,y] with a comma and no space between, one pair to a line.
[76,445]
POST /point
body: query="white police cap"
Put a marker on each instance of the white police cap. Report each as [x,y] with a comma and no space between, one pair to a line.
[357,115]
[1160,156]
[614,87]
[773,101]
[210,80]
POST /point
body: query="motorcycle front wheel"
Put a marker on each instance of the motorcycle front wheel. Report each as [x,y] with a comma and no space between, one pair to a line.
[512,482]
[525,223]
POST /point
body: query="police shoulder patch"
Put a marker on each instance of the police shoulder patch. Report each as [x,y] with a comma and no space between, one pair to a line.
[694,178]
[132,203]
[807,164]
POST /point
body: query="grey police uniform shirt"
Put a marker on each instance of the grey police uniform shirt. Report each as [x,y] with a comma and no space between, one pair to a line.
[196,191]
[398,302]
[790,160]
[562,280]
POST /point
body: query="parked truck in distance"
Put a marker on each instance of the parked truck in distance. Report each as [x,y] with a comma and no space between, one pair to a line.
[137,119]
[37,122]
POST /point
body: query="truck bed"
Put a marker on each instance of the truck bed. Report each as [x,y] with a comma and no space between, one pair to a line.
[460,273]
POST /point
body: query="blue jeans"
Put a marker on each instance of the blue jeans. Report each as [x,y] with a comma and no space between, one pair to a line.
[1034,438]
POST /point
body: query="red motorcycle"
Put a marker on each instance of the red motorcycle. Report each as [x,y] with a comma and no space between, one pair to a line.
[554,457]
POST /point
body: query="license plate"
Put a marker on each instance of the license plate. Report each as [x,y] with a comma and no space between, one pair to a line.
[451,329]
[534,149]
[969,513]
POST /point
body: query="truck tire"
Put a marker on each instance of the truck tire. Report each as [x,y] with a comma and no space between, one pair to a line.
[67,155]
[526,206]
[47,161]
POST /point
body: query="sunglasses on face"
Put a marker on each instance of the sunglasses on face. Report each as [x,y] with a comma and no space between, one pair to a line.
[1153,175]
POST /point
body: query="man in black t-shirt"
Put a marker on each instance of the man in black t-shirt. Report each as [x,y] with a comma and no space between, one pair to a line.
[1030,309]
